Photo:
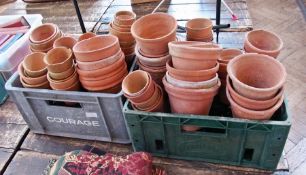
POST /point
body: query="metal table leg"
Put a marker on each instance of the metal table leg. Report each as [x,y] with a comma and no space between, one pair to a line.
[77,9]
[218,13]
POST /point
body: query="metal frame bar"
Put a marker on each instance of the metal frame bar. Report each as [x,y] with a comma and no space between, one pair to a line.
[78,12]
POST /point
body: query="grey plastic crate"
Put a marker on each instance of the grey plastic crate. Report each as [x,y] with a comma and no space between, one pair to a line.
[95,116]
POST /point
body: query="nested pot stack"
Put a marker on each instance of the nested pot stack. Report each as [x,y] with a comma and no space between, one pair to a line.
[199,29]
[121,27]
[255,86]
[143,92]
[153,32]
[191,80]
[100,63]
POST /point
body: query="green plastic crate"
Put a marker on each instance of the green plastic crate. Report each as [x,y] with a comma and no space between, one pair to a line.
[3,92]
[226,140]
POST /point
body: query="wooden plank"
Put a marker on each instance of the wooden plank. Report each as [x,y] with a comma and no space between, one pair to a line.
[5,154]
[11,134]
[297,155]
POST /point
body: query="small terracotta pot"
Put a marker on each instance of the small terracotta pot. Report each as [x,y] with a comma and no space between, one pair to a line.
[152,62]
[263,42]
[86,36]
[34,64]
[122,36]
[157,73]
[190,55]
[192,85]
[94,65]
[96,48]
[59,59]
[43,33]
[44,85]
[228,54]
[191,75]
[45,45]
[200,28]
[124,17]
[190,101]
[128,50]
[253,104]
[62,75]
[256,76]
[153,32]
[120,28]
[147,104]
[63,84]
[65,41]
[30,80]
[136,83]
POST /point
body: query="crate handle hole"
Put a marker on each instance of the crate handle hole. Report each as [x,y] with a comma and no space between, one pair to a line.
[248,154]
[132,125]
[159,145]
[136,140]
[279,138]
[273,155]
[62,103]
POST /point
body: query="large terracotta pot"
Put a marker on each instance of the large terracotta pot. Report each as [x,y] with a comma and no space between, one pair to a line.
[256,76]
[152,62]
[228,54]
[153,32]
[263,42]
[241,112]
[43,33]
[59,59]
[96,48]
[29,80]
[34,64]
[192,75]
[199,29]
[86,36]
[65,41]
[194,56]
[124,17]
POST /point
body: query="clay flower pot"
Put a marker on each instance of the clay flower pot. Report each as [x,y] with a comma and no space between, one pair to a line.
[96,48]
[147,104]
[192,85]
[256,76]
[228,54]
[75,87]
[65,83]
[59,59]
[124,17]
[65,41]
[222,72]
[29,80]
[199,29]
[241,112]
[153,32]
[62,75]
[157,73]
[43,33]
[122,36]
[263,42]
[128,50]
[190,101]
[95,65]
[44,85]
[34,64]
[152,62]
[86,36]
[191,75]
[120,28]
[193,55]
[45,46]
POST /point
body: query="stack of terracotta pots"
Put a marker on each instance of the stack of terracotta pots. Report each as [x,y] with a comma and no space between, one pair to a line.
[225,57]
[33,71]
[263,42]
[199,29]
[43,37]
[86,36]
[143,92]
[153,32]
[255,86]
[100,63]
[121,27]
[192,80]
[62,74]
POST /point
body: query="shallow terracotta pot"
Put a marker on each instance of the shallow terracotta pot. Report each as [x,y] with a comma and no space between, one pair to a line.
[96,48]
[44,85]
[157,73]
[34,64]
[99,64]
[190,101]
[59,59]
[191,75]
[228,54]
[65,83]
[153,32]
[263,42]
[147,104]
[62,75]
[65,41]
[45,45]
[122,36]
[192,85]
[200,28]
[30,80]
[256,76]
[86,36]
[191,55]
[253,104]
[121,28]
[124,17]
[43,33]
[152,62]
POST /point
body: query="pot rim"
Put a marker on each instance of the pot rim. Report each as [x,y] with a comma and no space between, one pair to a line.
[120,32]
[234,78]
[64,38]
[87,35]
[63,72]
[226,50]
[153,60]
[152,69]
[194,45]
[130,13]
[69,52]
[199,19]
[158,101]
[72,76]
[148,82]
[41,56]
[22,75]
[32,86]
[56,30]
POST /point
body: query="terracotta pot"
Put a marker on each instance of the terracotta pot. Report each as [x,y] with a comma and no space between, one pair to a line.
[192,85]
[256,76]
[120,28]
[222,72]
[34,64]
[129,59]
[96,48]
[75,87]
[44,85]
[200,28]
[44,51]
[241,112]
[263,42]
[157,73]
[30,80]
[65,41]
[94,65]
[190,101]
[208,39]
[86,36]
[127,44]
[222,95]
[59,59]
[228,54]
[122,36]
[45,46]
[194,56]
[152,62]
[128,50]
[114,90]
[43,33]
[147,104]
[124,17]
[153,32]
[191,75]
[63,84]
[253,104]
[62,75]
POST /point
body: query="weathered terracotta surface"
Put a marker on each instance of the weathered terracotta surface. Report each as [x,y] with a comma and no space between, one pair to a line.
[30,80]
[122,36]
[153,32]
[228,54]
[43,33]
[124,17]
[157,73]
[45,46]
[263,42]
[152,62]
[34,64]
[120,28]
[256,76]
[44,85]
[62,75]
[86,36]
[199,29]
[65,83]
[65,41]
[59,59]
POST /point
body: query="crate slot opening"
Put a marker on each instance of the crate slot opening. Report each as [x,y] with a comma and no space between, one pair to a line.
[208,130]
[159,145]
[248,154]
[62,103]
